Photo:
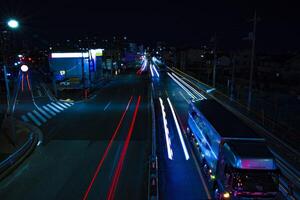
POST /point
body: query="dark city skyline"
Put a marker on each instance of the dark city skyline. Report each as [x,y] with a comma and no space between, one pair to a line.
[186,22]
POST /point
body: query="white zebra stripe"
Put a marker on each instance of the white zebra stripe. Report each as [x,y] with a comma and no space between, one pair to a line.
[34,119]
[69,105]
[57,106]
[44,113]
[25,118]
[49,111]
[62,105]
[55,110]
[40,116]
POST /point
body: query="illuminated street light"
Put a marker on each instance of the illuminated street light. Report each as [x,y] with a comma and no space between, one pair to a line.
[12,23]
[24,68]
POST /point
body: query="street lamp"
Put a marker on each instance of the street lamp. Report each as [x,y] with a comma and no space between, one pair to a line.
[24,68]
[12,23]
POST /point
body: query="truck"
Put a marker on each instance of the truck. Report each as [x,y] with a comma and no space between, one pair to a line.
[235,160]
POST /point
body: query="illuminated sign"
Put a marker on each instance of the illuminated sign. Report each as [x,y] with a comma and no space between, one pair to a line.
[69,55]
[92,52]
[62,72]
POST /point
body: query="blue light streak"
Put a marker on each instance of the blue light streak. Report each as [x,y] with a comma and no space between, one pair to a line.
[203,136]
[186,154]
[167,133]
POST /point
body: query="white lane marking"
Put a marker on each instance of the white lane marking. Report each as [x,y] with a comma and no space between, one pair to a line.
[34,119]
[107,105]
[62,105]
[40,116]
[57,106]
[55,110]
[49,111]
[44,113]
[25,118]
[186,154]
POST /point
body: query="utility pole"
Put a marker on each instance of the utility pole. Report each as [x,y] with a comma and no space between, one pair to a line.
[82,72]
[3,46]
[252,60]
[215,60]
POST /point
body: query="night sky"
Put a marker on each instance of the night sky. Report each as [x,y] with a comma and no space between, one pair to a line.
[183,23]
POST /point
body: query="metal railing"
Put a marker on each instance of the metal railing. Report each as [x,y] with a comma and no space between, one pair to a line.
[153,163]
[14,157]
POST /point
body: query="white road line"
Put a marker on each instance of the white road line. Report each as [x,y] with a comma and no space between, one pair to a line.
[44,113]
[107,105]
[55,110]
[40,116]
[62,105]
[25,118]
[49,111]
[57,106]
[34,119]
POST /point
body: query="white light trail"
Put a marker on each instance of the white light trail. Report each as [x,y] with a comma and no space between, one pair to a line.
[151,70]
[155,70]
[184,88]
[167,137]
[190,87]
[186,154]
[200,131]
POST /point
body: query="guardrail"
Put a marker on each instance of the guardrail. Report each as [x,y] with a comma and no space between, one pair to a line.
[14,158]
[153,163]
[274,127]
[290,177]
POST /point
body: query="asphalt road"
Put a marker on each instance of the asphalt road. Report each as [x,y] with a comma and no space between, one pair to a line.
[179,177]
[65,165]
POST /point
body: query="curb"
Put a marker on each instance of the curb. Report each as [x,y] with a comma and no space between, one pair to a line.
[14,160]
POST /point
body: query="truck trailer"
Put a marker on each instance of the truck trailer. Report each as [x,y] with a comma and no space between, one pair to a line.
[236,161]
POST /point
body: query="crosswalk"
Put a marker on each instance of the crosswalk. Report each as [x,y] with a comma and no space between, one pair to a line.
[42,114]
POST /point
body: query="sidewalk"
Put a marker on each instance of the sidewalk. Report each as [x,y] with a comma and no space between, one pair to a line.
[12,153]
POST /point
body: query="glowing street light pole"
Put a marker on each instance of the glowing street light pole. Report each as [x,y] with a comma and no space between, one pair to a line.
[13,24]
[8,120]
